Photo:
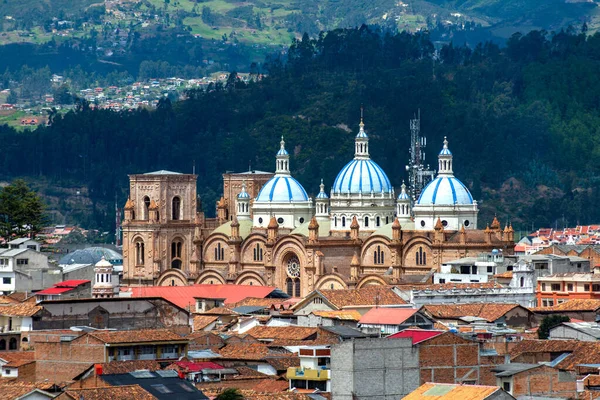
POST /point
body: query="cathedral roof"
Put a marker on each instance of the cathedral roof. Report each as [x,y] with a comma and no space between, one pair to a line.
[245,228]
[282,189]
[163,172]
[445,190]
[362,176]
[386,230]
[324,227]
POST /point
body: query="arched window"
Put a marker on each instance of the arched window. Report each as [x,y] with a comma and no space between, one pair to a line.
[289,289]
[335,221]
[139,252]
[421,257]
[378,221]
[176,253]
[12,344]
[258,253]
[343,221]
[378,256]
[522,281]
[146,213]
[2,344]
[366,222]
[176,208]
[297,288]
[219,252]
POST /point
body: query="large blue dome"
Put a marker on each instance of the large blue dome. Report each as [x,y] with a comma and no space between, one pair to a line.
[445,190]
[362,176]
[282,189]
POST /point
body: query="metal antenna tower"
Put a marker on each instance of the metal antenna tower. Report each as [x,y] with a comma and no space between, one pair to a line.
[419,174]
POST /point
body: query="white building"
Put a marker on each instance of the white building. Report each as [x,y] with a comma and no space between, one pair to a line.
[282,197]
[362,190]
[446,198]
[314,372]
[20,264]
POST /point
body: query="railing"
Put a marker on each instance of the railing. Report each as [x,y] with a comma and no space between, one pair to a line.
[308,374]
[169,355]
[147,357]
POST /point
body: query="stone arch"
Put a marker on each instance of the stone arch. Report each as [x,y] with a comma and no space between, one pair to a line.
[326,281]
[378,244]
[247,251]
[212,243]
[250,278]
[285,249]
[371,280]
[207,276]
[413,245]
[172,277]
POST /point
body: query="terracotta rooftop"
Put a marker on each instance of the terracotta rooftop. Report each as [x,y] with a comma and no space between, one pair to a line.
[283,332]
[368,295]
[124,367]
[445,391]
[343,315]
[488,311]
[256,301]
[220,311]
[202,321]
[16,359]
[572,305]
[505,275]
[453,285]
[245,351]
[131,392]
[7,300]
[137,336]
[19,309]
[15,390]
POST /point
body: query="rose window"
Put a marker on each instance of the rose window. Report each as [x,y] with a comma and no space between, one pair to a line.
[293,267]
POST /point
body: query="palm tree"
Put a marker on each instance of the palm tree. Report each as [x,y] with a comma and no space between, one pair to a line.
[230,394]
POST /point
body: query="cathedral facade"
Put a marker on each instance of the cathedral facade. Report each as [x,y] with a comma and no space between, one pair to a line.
[268,231]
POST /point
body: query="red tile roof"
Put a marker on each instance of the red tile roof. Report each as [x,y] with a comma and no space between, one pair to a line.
[184,296]
[417,335]
[137,336]
[16,359]
[488,311]
[190,366]
[72,283]
[387,316]
[19,309]
[368,295]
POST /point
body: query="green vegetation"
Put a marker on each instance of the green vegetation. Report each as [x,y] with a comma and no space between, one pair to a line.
[522,121]
[21,211]
[230,394]
[550,322]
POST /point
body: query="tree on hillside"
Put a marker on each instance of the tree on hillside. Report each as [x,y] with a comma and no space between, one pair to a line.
[550,322]
[21,211]
[230,394]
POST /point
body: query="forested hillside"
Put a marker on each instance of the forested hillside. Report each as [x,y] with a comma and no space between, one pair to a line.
[522,121]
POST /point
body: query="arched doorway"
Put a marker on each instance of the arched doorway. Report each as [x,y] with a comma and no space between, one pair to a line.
[292,281]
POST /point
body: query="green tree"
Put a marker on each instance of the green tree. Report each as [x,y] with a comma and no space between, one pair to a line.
[230,394]
[12,97]
[550,322]
[21,211]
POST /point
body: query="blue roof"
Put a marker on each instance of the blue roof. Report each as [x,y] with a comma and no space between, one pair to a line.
[362,176]
[445,152]
[282,152]
[322,195]
[282,189]
[445,190]
[243,195]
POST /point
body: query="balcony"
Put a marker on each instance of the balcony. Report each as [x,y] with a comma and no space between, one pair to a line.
[308,374]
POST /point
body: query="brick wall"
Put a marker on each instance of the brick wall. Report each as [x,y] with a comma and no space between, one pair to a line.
[27,373]
[544,381]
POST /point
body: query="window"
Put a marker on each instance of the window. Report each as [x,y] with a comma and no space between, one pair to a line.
[317,300]
[258,253]
[293,286]
[32,247]
[442,280]
[176,251]
[366,222]
[378,256]
[378,221]
[490,270]
[543,287]
[467,222]
[444,223]
[506,386]
[569,287]
[280,220]
[343,221]
[6,281]
[522,282]
[260,220]
[586,287]
[219,252]
[422,224]
[509,268]
[22,261]
[421,257]
[595,287]
[3,261]
[139,252]
[301,220]
[146,207]
[555,287]
[176,208]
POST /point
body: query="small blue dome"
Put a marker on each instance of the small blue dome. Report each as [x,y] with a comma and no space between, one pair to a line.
[403,196]
[362,176]
[282,152]
[282,189]
[322,195]
[445,152]
[445,190]
[243,195]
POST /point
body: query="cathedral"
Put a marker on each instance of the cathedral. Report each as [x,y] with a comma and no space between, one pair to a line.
[268,231]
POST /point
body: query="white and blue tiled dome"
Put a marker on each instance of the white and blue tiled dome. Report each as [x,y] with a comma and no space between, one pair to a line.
[282,189]
[403,195]
[243,194]
[322,194]
[445,190]
[362,176]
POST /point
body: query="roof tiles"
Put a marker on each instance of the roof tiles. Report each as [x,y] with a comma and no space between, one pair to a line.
[443,391]
[368,295]
[137,336]
[488,311]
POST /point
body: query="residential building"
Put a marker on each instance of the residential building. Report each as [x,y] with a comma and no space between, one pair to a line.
[387,321]
[25,269]
[72,289]
[11,391]
[24,243]
[314,370]
[14,319]
[533,380]
[584,331]
[74,353]
[348,318]
[512,315]
[579,309]
[19,365]
[439,391]
[113,313]
[161,384]
[558,288]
